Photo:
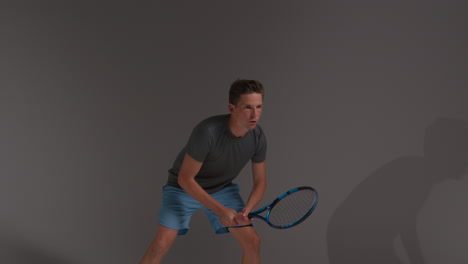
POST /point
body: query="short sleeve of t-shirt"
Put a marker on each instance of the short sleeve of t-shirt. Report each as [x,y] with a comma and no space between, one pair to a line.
[198,145]
[260,154]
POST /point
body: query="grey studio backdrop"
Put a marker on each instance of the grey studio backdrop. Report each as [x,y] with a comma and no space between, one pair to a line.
[365,100]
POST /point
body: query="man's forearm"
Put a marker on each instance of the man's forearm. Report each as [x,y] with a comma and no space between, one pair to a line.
[197,192]
[256,195]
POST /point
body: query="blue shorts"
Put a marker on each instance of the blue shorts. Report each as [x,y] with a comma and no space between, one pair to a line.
[177,207]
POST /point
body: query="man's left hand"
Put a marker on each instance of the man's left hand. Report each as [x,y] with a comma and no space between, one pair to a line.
[242,218]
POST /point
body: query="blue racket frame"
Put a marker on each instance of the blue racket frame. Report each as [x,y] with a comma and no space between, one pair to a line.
[268,207]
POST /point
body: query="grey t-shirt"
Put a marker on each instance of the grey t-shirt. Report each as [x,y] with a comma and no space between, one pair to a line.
[223,154]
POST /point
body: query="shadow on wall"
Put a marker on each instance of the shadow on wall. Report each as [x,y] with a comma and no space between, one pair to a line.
[14,250]
[386,204]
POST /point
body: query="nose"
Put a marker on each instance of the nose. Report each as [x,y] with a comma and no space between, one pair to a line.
[255,112]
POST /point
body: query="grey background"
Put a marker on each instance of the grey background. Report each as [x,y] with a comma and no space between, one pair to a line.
[97,99]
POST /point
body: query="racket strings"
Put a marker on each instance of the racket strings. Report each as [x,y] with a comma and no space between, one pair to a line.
[292,208]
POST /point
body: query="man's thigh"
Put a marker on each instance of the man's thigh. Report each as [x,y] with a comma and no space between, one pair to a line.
[177,207]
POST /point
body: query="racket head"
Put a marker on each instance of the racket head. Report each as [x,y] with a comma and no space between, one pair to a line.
[292,207]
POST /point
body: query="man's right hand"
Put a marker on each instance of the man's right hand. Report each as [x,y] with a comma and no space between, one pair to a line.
[228,217]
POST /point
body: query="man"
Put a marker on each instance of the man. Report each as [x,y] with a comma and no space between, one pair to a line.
[201,176]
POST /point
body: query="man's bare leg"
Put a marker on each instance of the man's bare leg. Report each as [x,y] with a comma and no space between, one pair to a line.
[249,241]
[160,245]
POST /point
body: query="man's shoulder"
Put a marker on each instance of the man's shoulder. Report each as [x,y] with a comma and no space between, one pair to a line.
[258,130]
[214,121]
[212,125]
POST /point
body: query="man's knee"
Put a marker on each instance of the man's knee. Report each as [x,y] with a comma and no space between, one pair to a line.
[161,245]
[255,241]
[163,240]
[249,240]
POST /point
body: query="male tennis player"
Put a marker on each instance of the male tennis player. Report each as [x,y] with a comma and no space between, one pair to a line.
[202,174]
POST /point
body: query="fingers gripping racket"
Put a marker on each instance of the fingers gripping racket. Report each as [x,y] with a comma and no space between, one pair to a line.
[289,209]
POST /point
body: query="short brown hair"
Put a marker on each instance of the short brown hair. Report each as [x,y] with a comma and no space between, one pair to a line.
[240,87]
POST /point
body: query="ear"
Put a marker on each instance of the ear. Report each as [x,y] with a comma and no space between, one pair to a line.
[231,108]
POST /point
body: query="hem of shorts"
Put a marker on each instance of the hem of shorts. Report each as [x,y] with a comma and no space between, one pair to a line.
[222,230]
[225,230]
[180,232]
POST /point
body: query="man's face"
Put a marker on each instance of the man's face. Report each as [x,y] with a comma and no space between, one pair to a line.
[247,111]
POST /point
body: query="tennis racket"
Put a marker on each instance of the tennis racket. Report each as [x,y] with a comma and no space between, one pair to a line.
[289,209]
